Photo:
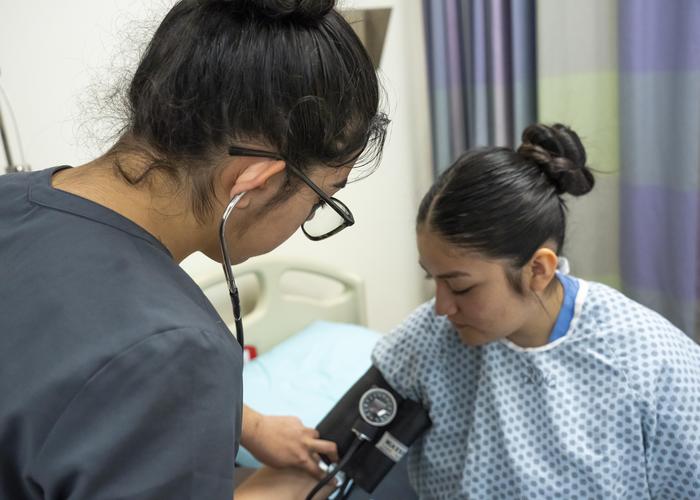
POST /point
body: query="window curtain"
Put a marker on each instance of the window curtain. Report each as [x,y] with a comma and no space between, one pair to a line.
[481,64]
[660,156]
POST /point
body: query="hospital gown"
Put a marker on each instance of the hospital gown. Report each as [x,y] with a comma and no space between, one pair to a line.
[611,410]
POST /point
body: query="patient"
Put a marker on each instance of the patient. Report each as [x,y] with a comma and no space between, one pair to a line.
[538,384]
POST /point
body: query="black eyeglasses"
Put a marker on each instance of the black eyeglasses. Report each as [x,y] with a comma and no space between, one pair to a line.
[328,217]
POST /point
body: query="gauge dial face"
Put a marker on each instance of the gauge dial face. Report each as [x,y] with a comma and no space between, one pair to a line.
[378,407]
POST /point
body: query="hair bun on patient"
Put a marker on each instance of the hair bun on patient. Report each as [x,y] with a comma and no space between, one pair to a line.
[559,153]
[301,10]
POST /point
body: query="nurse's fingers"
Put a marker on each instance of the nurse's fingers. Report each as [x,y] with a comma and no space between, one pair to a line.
[310,466]
[312,433]
[327,448]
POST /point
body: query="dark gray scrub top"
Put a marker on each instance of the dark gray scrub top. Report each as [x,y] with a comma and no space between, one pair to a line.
[118,379]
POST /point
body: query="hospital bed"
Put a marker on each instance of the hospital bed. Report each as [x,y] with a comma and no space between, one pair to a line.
[307,325]
[280,297]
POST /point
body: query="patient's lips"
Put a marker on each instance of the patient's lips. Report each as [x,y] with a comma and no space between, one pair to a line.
[457,324]
[469,335]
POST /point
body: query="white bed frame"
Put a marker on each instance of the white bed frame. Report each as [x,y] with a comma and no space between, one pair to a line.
[273,310]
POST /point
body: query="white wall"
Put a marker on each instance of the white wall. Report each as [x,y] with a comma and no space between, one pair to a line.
[52,54]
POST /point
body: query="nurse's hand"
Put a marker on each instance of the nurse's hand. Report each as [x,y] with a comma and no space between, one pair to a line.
[285,442]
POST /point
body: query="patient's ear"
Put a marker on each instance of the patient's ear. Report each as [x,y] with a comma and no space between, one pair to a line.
[253,177]
[541,269]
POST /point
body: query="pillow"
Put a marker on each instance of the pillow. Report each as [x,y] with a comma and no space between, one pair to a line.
[307,374]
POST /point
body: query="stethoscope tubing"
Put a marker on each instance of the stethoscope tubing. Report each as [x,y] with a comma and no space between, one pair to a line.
[226,263]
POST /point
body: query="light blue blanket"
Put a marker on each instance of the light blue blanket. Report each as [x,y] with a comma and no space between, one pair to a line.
[307,374]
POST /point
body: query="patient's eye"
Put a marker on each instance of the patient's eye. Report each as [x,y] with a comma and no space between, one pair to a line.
[463,291]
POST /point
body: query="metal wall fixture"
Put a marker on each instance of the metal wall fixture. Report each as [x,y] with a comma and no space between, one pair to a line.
[11,167]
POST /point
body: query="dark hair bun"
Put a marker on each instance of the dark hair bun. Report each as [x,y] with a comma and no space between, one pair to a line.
[301,10]
[559,153]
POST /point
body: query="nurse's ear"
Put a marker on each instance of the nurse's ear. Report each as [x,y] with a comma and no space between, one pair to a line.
[253,176]
[541,269]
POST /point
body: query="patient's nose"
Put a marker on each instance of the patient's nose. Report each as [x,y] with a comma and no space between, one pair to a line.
[444,300]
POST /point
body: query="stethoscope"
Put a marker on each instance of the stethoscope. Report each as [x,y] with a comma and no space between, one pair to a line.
[226,262]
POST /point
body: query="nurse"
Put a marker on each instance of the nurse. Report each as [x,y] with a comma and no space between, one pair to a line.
[117,377]
[539,384]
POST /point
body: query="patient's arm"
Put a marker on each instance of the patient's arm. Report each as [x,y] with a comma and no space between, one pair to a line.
[279,484]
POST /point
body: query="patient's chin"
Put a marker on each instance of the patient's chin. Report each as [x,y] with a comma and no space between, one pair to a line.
[471,337]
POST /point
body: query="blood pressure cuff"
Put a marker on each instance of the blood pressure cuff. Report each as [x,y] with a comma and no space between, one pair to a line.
[374,459]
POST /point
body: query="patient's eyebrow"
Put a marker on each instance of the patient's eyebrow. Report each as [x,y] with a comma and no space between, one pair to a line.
[453,274]
[446,276]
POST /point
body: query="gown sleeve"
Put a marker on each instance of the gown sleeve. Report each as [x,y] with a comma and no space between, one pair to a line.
[159,420]
[405,355]
[673,423]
